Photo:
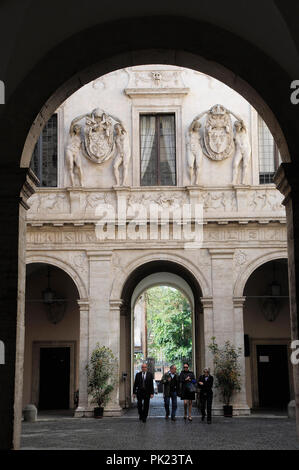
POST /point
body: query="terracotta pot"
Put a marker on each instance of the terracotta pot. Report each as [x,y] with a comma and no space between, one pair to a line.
[228,411]
[98,412]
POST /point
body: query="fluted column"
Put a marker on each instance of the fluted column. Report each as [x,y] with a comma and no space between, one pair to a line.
[83,409]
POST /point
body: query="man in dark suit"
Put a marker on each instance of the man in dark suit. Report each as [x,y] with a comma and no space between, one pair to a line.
[205,383]
[144,389]
[171,383]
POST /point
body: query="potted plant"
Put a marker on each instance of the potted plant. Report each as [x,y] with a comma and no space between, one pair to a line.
[101,375]
[226,372]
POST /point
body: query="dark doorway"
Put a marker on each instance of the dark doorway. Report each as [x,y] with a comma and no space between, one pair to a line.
[273,376]
[54,387]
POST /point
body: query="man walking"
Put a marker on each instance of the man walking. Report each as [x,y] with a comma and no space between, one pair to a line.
[144,389]
[205,383]
[170,383]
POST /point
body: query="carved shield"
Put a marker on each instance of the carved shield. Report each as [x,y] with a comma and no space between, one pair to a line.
[98,145]
[218,134]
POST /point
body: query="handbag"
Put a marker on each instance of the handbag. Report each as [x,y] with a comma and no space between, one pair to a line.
[191,387]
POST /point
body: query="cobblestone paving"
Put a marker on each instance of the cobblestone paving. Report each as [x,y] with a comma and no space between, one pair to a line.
[127,432]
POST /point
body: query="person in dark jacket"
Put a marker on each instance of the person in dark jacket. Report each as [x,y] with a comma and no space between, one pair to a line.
[170,382]
[186,379]
[205,383]
[144,389]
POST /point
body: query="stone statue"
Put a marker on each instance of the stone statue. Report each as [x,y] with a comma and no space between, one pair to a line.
[123,153]
[73,151]
[104,137]
[194,157]
[243,151]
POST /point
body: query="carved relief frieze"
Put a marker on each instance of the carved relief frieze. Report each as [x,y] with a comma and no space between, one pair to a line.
[48,202]
[219,200]
[230,235]
[265,200]
[163,199]
[155,79]
[217,203]
[92,200]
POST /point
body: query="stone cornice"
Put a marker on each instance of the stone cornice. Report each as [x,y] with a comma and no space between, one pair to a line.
[207,302]
[28,188]
[83,304]
[160,92]
[239,302]
[286,180]
[116,304]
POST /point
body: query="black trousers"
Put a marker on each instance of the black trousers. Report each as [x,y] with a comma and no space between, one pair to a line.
[143,400]
[206,400]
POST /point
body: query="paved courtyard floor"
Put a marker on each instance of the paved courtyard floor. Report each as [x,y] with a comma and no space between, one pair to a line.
[61,431]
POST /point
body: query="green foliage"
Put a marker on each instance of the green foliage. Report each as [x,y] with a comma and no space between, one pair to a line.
[226,369]
[169,325]
[101,374]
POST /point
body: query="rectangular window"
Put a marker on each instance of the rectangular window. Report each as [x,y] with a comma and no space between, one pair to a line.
[157,150]
[44,157]
[269,158]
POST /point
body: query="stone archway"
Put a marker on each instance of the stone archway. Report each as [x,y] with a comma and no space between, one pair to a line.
[81,349]
[52,333]
[267,331]
[215,53]
[251,267]
[158,272]
[64,266]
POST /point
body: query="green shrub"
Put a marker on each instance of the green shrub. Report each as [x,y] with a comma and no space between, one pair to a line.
[226,369]
[101,374]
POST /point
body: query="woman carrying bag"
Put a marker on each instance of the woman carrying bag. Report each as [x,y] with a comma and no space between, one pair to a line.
[188,389]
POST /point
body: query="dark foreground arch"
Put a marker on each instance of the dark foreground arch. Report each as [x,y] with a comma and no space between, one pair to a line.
[168,39]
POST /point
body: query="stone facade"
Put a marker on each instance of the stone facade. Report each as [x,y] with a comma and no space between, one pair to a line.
[217,168]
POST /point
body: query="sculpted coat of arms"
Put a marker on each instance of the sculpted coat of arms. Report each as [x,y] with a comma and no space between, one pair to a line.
[98,144]
[104,136]
[219,140]
[218,133]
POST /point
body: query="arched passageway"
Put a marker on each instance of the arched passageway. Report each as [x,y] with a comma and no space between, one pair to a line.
[153,273]
[267,337]
[52,331]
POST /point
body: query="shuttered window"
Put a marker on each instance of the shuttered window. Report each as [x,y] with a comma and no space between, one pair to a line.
[44,157]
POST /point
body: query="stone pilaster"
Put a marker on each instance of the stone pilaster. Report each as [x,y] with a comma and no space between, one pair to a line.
[223,308]
[99,293]
[113,408]
[207,303]
[222,290]
[83,409]
[286,180]
[239,400]
[104,322]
